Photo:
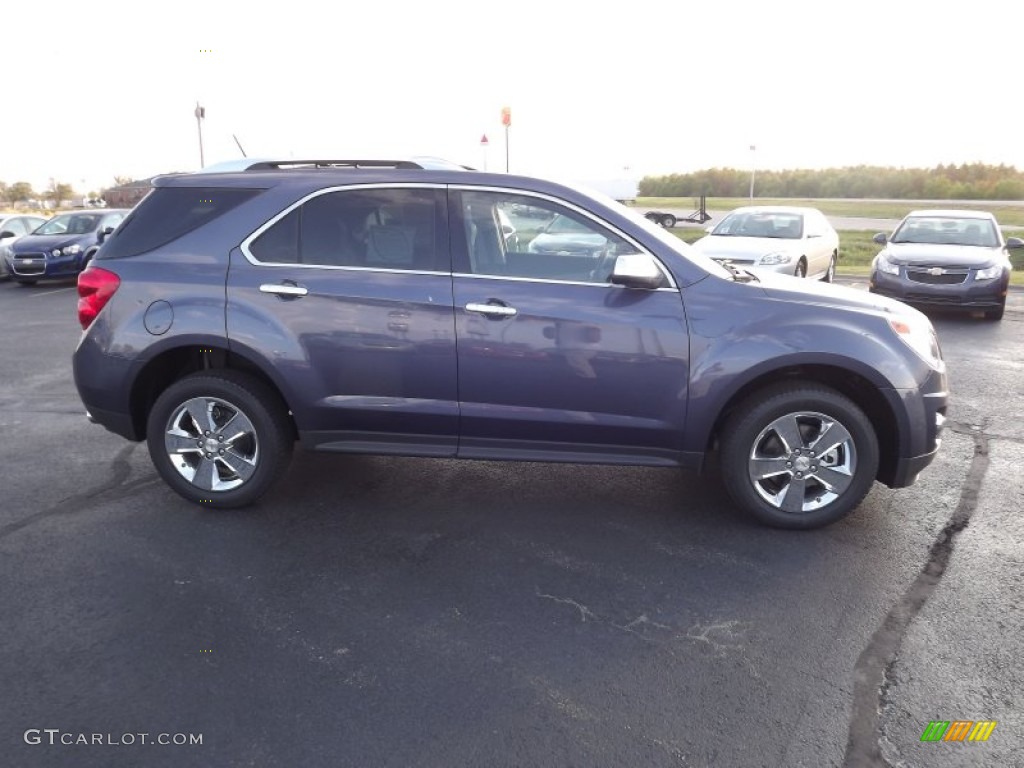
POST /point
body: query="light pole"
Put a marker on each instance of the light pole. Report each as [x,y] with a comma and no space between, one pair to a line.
[753,168]
[200,114]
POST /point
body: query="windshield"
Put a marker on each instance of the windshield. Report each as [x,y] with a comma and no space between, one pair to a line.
[69,224]
[774,224]
[947,230]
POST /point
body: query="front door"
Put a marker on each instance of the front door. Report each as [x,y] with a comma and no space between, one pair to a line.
[555,362]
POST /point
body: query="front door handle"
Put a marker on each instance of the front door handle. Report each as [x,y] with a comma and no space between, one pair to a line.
[495,310]
[287,289]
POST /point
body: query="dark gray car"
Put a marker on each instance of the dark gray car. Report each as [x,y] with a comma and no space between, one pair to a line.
[378,307]
[946,260]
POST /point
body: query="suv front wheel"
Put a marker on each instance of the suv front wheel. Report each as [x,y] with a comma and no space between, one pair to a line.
[220,438]
[799,456]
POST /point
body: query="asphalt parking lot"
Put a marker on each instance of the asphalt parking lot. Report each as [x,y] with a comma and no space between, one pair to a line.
[390,611]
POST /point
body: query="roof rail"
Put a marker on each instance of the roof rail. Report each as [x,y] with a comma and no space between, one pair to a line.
[274,165]
[270,164]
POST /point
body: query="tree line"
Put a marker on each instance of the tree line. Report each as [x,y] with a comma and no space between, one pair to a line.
[55,191]
[971,181]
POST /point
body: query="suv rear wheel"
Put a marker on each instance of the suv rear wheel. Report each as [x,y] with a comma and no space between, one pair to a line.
[220,438]
[799,456]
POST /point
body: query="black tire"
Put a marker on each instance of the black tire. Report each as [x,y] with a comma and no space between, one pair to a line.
[751,435]
[801,269]
[668,221]
[996,314]
[830,273]
[262,452]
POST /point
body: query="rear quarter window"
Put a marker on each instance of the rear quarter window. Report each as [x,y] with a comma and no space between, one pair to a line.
[168,213]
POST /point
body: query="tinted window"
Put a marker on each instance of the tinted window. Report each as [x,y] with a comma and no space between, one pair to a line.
[373,228]
[517,236]
[166,214]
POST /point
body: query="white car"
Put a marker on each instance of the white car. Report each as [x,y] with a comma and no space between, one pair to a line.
[14,226]
[782,239]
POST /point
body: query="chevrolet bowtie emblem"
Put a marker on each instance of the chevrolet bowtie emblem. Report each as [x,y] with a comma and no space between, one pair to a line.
[936,271]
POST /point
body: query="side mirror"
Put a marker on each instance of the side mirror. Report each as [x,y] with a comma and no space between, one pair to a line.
[7,233]
[104,233]
[880,238]
[1013,243]
[637,270]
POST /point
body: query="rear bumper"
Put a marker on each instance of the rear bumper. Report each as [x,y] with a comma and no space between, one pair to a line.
[101,383]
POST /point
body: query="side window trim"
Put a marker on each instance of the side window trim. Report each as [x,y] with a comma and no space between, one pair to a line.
[244,247]
[455,222]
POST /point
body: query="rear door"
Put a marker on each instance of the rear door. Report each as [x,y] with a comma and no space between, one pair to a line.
[555,362]
[347,296]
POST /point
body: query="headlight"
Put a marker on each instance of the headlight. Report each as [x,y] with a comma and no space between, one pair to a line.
[882,264]
[989,273]
[918,334]
[55,252]
[71,250]
[776,258]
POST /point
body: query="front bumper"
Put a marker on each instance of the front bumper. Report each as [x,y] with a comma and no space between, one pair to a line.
[968,295]
[36,266]
[921,416]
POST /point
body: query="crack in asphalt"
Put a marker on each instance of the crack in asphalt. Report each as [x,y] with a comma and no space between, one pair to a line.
[120,468]
[873,673]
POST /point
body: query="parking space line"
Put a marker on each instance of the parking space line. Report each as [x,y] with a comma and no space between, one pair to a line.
[56,290]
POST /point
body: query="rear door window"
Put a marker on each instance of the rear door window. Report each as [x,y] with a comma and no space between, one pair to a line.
[370,228]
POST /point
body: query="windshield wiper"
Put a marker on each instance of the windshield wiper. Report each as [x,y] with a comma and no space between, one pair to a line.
[740,275]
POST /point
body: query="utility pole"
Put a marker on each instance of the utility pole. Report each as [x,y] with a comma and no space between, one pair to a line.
[200,114]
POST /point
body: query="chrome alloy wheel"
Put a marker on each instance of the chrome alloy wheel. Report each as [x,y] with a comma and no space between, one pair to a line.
[802,461]
[212,444]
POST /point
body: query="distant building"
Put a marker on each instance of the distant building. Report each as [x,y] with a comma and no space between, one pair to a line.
[128,195]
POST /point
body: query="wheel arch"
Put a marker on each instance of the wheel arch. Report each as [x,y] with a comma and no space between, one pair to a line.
[858,388]
[173,363]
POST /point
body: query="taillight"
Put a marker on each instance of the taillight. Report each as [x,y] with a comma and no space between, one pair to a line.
[95,287]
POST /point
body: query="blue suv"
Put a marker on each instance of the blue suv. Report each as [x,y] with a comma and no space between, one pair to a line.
[63,246]
[379,307]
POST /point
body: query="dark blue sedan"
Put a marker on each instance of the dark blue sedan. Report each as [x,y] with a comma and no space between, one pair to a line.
[63,246]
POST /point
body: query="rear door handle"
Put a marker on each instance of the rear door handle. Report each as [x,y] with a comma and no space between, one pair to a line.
[288,289]
[497,310]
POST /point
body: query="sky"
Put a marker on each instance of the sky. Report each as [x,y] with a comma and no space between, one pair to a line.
[597,90]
